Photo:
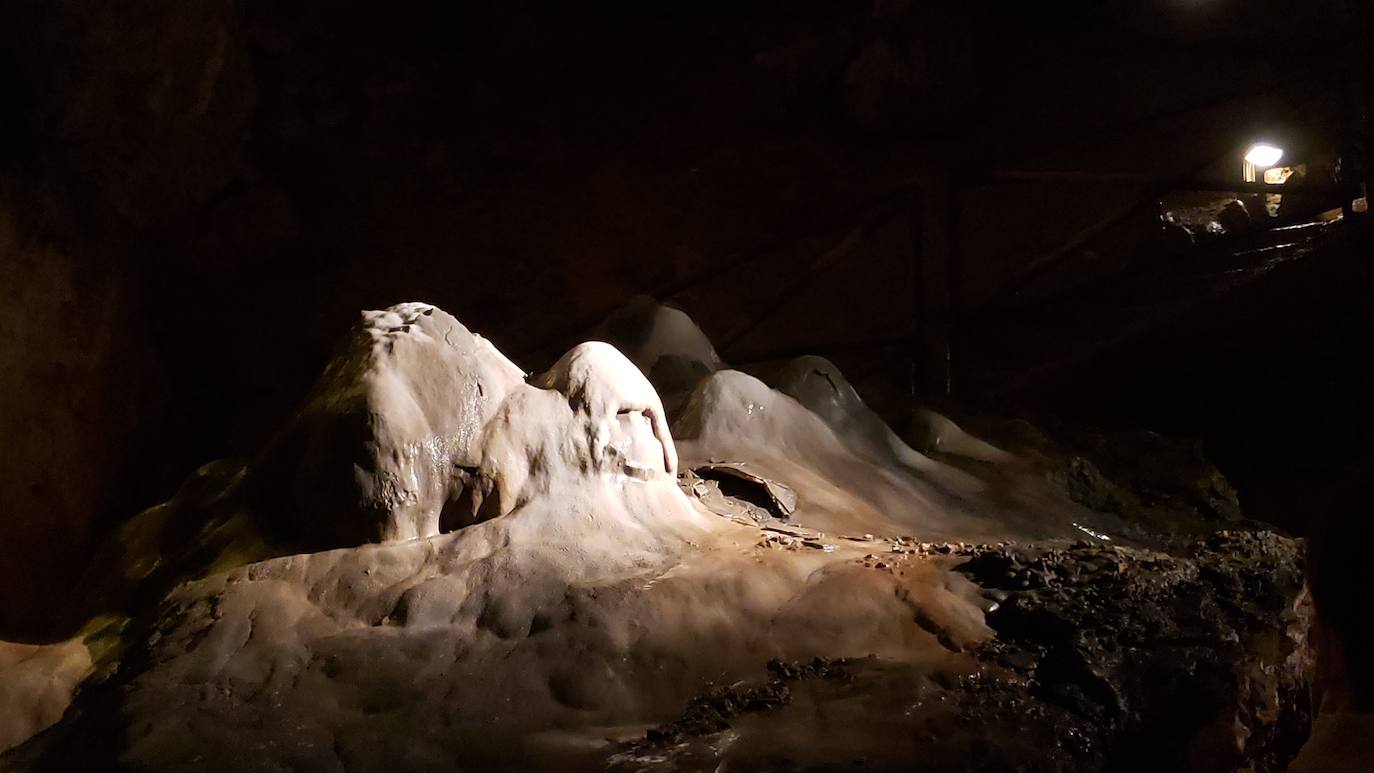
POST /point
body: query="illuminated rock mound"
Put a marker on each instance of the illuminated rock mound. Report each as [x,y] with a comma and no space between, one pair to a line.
[439,565]
[856,476]
[370,455]
[602,385]
[664,343]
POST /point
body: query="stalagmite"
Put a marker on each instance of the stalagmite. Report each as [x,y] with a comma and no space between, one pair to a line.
[371,454]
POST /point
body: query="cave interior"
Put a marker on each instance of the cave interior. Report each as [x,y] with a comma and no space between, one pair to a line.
[804,385]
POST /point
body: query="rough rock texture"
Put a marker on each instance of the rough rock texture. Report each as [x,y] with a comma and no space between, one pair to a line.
[1105,658]
[1205,645]
[585,609]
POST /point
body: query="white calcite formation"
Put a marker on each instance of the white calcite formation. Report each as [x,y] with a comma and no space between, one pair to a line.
[585,594]
[441,566]
[854,476]
[816,383]
[418,422]
[372,454]
[606,388]
[735,417]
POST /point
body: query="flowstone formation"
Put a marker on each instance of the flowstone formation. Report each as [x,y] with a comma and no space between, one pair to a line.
[444,564]
[371,456]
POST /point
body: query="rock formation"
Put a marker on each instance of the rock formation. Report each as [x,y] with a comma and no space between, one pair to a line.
[603,385]
[440,566]
[371,456]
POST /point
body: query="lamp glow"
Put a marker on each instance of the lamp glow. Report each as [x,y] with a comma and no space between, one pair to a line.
[1262,155]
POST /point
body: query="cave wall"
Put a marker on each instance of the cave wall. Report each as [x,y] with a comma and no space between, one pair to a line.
[78,380]
[125,120]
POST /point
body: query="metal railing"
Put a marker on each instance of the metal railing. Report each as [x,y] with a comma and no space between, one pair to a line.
[938,295]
